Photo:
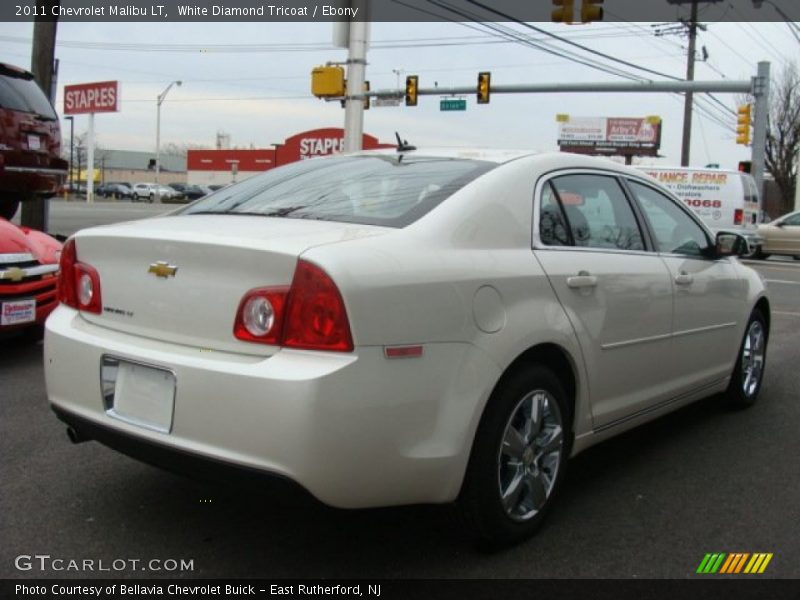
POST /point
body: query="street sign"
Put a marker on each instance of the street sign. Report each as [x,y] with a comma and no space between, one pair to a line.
[453,104]
[389,101]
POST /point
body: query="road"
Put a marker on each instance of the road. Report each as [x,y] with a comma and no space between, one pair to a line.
[648,504]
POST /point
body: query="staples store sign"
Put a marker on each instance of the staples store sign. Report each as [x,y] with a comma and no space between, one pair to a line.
[319,142]
[87,98]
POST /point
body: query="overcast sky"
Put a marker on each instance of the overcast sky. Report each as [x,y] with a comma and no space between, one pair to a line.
[261,96]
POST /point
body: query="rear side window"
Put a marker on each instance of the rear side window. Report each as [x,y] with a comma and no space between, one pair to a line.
[553,229]
[674,230]
[23,94]
[596,211]
[388,190]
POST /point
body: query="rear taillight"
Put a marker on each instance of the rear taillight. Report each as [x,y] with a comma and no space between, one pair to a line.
[66,285]
[260,315]
[310,314]
[78,283]
[315,315]
[738,216]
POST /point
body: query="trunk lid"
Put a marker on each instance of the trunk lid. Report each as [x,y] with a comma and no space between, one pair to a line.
[181,278]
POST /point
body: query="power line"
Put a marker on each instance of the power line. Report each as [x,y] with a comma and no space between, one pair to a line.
[572,43]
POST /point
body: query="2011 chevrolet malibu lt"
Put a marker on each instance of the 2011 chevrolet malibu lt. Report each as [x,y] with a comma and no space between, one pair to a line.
[404,327]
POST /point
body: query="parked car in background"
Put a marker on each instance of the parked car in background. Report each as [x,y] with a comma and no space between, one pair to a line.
[119,191]
[781,237]
[725,200]
[75,188]
[190,192]
[28,278]
[405,327]
[30,141]
[216,186]
[148,191]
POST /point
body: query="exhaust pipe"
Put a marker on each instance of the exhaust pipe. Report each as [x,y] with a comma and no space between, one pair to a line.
[75,437]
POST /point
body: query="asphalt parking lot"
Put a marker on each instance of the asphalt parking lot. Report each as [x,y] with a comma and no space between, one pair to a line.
[648,504]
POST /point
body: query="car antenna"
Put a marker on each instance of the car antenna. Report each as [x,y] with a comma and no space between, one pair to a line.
[403,145]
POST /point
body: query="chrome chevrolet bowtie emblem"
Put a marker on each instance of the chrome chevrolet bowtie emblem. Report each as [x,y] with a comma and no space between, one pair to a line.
[14,274]
[162,269]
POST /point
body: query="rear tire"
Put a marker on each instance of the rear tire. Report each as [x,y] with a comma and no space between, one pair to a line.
[518,458]
[8,206]
[748,373]
[759,254]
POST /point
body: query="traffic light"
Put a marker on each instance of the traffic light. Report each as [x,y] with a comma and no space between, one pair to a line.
[563,13]
[412,84]
[484,87]
[745,166]
[743,124]
[328,81]
[590,11]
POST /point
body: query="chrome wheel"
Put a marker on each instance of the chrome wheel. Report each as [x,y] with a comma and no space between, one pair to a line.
[530,455]
[753,358]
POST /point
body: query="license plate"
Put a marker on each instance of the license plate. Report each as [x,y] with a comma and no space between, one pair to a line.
[18,311]
[34,142]
[139,394]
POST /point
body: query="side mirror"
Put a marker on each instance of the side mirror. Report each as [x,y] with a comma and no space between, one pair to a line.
[731,244]
[780,224]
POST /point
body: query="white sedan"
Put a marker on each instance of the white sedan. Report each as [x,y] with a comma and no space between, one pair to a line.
[404,327]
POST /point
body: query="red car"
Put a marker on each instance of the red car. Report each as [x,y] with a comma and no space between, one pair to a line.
[28,278]
[30,142]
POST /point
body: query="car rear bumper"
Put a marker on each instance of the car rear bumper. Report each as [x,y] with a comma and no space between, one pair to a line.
[169,457]
[36,179]
[355,430]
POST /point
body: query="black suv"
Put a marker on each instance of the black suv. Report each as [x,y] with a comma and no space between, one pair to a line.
[30,141]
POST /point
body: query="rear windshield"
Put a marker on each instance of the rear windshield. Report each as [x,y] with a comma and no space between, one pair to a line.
[24,95]
[386,190]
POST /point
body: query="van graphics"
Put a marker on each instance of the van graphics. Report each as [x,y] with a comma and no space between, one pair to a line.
[700,191]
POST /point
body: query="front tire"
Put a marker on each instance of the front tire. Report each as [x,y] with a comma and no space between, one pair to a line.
[519,457]
[749,370]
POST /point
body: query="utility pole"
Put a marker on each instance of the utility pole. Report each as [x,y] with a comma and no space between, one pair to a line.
[356,69]
[688,102]
[34,210]
[689,28]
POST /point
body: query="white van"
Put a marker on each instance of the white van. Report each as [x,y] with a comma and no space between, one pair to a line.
[724,200]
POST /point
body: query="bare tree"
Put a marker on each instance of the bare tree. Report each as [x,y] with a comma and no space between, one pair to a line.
[181,149]
[80,154]
[783,133]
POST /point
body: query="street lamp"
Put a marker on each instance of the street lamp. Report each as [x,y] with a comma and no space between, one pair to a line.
[161,97]
[71,120]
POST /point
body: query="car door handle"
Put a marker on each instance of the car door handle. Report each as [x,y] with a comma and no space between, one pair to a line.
[582,280]
[684,278]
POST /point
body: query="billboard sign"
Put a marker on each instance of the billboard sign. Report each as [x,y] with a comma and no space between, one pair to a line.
[609,135]
[87,98]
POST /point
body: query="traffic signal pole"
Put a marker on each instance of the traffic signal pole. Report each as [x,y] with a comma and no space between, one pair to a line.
[760,93]
[723,86]
[758,86]
[356,69]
